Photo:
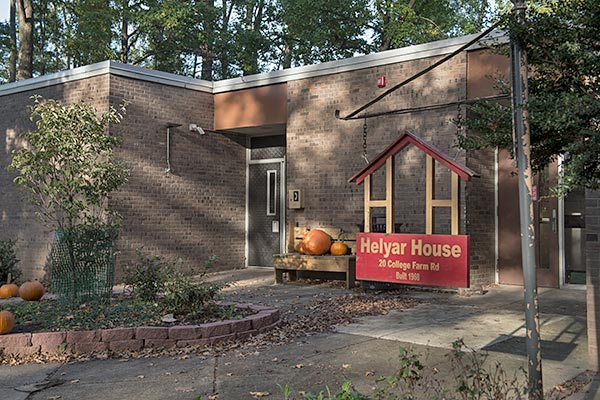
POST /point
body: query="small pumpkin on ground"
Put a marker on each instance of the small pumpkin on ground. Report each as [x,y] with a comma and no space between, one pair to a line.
[315,242]
[338,249]
[9,290]
[31,291]
[7,322]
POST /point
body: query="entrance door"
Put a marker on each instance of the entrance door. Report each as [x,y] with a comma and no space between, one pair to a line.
[546,225]
[265,211]
[510,269]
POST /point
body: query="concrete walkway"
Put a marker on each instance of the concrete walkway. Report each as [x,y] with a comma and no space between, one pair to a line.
[360,351]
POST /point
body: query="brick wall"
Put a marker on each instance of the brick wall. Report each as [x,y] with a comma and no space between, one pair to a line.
[199,208]
[592,255]
[17,218]
[323,152]
[196,211]
[480,218]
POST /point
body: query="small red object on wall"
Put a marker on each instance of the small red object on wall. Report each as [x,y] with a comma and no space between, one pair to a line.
[381,81]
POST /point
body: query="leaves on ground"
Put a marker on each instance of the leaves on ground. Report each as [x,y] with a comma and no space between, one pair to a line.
[258,395]
[300,317]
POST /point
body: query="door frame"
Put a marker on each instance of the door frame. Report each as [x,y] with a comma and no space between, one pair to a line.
[560,222]
[562,264]
[282,193]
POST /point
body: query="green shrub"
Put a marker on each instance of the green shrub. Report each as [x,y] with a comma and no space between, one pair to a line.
[153,276]
[148,277]
[193,298]
[8,262]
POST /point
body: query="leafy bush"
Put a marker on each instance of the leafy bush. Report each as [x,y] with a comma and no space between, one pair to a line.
[8,261]
[186,297]
[193,298]
[154,276]
[149,276]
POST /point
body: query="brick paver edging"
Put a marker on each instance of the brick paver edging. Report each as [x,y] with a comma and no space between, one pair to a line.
[137,338]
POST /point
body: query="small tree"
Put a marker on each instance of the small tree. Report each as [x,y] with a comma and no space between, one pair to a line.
[68,171]
[68,167]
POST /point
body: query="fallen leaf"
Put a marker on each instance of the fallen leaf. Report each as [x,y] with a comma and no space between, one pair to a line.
[346,366]
[369,373]
[258,395]
[169,318]
[74,381]
[298,366]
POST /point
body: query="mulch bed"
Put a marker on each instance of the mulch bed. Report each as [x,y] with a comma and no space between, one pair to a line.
[320,315]
[53,316]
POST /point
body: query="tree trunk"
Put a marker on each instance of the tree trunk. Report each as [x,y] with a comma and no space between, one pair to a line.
[386,41]
[207,53]
[207,64]
[224,56]
[124,56]
[287,56]
[42,17]
[257,24]
[25,11]
[12,61]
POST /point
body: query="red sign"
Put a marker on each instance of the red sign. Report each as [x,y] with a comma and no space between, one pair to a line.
[429,260]
[381,81]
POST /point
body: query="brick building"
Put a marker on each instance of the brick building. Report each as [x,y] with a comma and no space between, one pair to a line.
[225,193]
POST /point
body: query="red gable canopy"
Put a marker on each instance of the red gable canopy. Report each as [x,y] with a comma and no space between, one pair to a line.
[406,138]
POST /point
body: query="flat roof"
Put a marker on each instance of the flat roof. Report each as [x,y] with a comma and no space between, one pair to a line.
[440,47]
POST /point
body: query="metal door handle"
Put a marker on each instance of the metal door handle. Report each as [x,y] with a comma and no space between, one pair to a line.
[554,220]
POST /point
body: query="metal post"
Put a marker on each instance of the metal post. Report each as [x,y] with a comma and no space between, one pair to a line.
[521,140]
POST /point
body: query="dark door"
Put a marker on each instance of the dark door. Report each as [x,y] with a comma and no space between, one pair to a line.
[510,269]
[265,225]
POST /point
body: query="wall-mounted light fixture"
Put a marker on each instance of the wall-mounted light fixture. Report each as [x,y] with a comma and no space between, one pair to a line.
[196,128]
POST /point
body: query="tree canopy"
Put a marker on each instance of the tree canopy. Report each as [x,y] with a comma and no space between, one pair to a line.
[216,39]
[563,50]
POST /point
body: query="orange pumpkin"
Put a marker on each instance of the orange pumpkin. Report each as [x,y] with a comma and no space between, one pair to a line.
[316,242]
[338,249]
[9,290]
[31,291]
[300,248]
[7,322]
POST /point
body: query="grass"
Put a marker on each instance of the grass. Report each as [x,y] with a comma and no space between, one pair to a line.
[50,315]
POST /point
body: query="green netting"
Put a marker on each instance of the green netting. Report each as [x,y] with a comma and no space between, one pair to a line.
[83,263]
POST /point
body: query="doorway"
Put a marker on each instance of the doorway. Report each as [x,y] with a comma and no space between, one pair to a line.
[546,209]
[266,200]
[574,237]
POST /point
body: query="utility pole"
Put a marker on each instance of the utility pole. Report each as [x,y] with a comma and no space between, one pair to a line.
[522,147]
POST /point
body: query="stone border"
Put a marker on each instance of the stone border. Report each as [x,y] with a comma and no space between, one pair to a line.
[137,338]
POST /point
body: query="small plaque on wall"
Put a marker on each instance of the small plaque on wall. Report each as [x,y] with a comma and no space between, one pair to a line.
[295,199]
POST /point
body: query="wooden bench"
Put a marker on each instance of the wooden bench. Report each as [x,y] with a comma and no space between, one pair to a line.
[292,262]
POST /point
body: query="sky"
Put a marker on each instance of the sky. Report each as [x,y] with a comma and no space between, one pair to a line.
[4,10]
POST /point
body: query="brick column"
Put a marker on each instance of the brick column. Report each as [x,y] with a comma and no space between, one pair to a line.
[592,250]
